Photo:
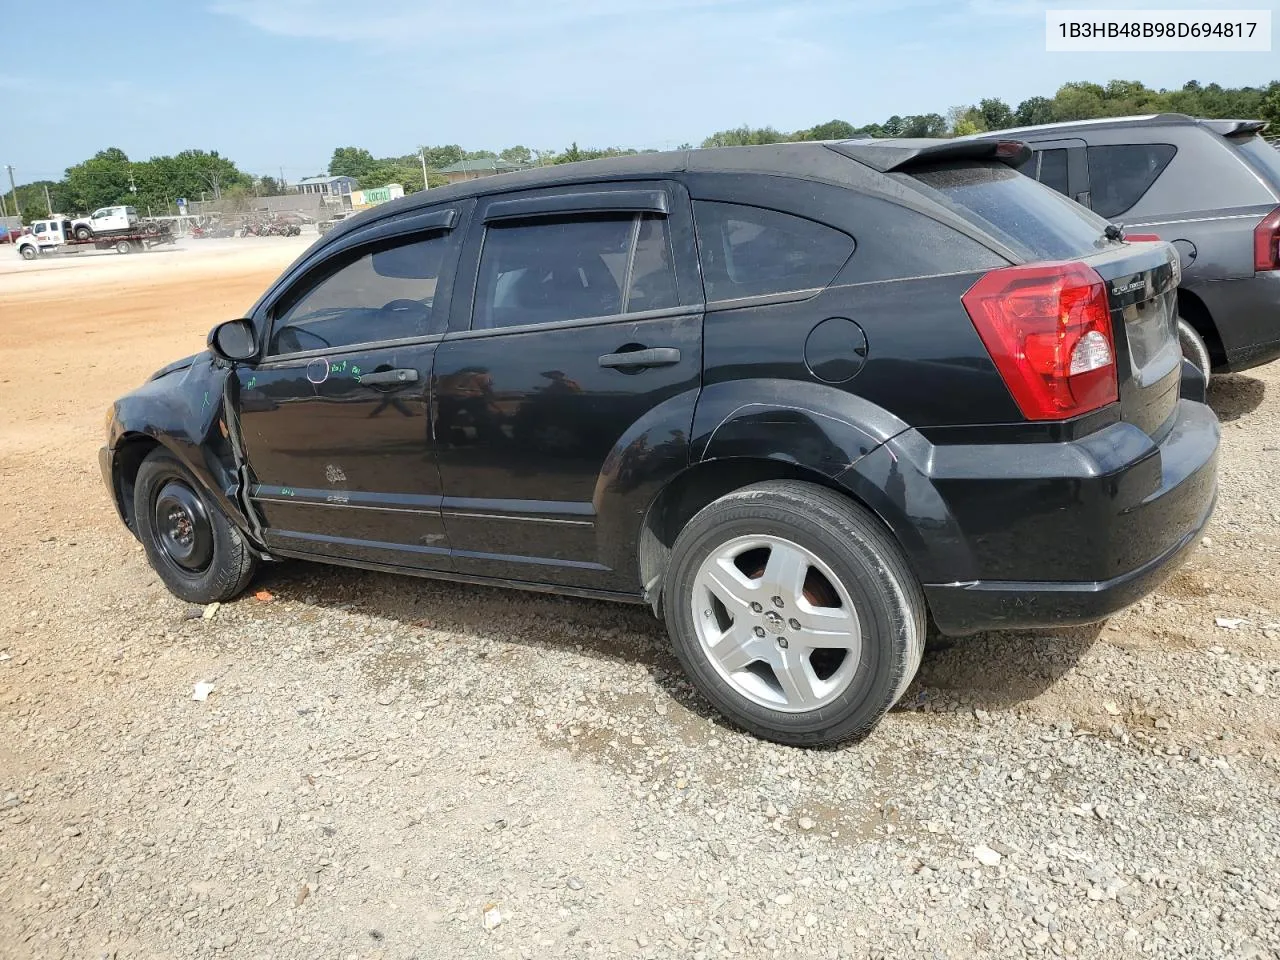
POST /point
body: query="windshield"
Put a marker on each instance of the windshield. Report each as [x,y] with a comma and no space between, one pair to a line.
[1262,156]
[1021,213]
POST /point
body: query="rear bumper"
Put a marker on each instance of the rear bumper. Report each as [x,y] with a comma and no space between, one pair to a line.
[1084,544]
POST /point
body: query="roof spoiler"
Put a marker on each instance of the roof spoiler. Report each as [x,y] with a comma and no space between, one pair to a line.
[1235,128]
[900,154]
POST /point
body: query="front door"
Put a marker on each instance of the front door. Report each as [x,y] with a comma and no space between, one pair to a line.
[581,350]
[335,421]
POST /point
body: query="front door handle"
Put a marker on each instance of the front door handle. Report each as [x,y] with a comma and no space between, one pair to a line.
[651,357]
[389,377]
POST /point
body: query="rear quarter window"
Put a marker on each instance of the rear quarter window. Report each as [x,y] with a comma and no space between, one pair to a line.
[750,251]
[1119,174]
[1023,215]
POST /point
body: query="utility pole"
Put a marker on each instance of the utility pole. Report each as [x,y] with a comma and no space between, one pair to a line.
[282,183]
[12,186]
[47,202]
[423,157]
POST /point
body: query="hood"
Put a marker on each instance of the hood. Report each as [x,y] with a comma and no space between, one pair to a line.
[178,365]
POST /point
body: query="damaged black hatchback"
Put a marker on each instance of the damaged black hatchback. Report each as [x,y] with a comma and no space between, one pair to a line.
[800,399]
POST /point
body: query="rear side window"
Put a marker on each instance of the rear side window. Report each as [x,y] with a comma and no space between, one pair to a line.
[572,268]
[1020,213]
[1121,173]
[1262,156]
[751,251]
[1053,170]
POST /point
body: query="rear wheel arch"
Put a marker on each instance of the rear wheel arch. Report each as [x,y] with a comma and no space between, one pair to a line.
[700,485]
[1192,309]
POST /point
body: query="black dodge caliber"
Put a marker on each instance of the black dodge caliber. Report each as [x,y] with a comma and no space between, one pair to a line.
[799,399]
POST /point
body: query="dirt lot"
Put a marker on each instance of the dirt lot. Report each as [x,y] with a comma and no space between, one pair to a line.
[385,762]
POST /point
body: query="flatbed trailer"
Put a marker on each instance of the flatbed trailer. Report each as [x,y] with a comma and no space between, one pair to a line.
[55,237]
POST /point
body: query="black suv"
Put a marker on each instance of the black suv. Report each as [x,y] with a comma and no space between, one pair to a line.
[1209,187]
[797,398]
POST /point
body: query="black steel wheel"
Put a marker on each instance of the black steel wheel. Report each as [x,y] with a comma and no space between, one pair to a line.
[189,541]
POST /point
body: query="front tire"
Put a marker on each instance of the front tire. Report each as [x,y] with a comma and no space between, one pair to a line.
[29,252]
[794,612]
[1193,348]
[83,233]
[189,542]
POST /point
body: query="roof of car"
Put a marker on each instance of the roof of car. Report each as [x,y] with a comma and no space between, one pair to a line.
[812,159]
[1224,127]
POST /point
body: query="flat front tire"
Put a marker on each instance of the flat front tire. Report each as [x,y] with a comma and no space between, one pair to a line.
[794,612]
[190,543]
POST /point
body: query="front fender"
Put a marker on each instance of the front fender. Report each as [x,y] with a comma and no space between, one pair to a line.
[185,413]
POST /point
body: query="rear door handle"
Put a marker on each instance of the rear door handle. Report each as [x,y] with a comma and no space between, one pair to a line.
[389,377]
[652,357]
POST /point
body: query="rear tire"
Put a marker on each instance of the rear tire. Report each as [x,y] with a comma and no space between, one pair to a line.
[794,612]
[190,543]
[1193,348]
[124,246]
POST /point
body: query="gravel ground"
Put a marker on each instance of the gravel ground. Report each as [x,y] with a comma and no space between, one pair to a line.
[397,768]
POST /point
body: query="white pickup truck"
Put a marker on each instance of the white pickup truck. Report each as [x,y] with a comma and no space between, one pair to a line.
[61,235]
[110,221]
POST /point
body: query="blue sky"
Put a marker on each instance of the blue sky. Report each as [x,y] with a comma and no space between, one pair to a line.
[280,83]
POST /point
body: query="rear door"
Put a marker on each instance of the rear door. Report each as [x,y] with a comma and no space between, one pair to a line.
[334,420]
[570,380]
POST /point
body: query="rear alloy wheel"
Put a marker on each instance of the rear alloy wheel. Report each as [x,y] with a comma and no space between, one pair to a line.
[198,553]
[794,613]
[1193,348]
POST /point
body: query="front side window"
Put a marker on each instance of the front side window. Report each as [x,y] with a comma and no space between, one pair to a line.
[38,229]
[1120,174]
[750,251]
[570,268]
[384,292]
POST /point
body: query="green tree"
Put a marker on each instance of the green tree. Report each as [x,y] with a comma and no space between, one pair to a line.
[351,162]
[831,130]
[269,187]
[517,154]
[996,114]
[440,157]
[744,136]
[925,125]
[1034,111]
[101,180]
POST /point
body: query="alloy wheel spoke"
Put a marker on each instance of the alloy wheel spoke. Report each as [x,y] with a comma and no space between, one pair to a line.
[785,571]
[798,681]
[738,648]
[729,587]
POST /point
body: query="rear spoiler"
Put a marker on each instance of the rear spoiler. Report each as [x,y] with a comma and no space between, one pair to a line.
[1235,128]
[899,154]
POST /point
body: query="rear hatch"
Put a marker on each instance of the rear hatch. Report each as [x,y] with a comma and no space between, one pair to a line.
[1033,224]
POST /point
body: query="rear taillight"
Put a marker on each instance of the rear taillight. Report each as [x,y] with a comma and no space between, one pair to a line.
[1048,330]
[1142,238]
[1266,242]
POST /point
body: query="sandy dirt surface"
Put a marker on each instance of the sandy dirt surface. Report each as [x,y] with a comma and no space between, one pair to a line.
[386,762]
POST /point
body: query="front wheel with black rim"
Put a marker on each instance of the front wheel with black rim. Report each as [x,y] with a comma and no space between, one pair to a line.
[794,612]
[190,543]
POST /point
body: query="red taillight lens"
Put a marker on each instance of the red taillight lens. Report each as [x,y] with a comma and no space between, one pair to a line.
[1266,242]
[1048,330]
[1142,238]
